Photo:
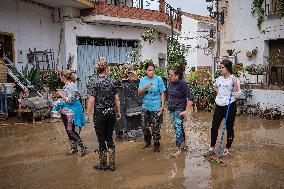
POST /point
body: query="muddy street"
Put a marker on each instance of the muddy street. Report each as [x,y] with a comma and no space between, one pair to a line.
[34,156]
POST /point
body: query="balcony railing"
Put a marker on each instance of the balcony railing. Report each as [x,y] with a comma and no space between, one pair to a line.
[271,7]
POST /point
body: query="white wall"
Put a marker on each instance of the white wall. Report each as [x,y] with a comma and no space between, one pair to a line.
[268,98]
[240,32]
[195,57]
[189,28]
[204,60]
[73,29]
[31,25]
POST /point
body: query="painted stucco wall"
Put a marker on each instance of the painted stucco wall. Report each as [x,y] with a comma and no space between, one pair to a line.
[75,28]
[240,32]
[192,37]
[32,26]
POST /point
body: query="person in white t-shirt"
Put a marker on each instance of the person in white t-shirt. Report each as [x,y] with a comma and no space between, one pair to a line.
[224,86]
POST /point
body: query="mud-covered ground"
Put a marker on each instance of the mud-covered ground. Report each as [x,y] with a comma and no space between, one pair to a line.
[34,156]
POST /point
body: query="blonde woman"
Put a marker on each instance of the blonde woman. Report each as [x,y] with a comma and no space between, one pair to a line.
[71,111]
[103,98]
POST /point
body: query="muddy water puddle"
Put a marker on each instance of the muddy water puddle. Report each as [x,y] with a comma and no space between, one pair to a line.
[33,156]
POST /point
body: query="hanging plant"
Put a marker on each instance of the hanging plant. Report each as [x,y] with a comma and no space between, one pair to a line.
[280,8]
[150,35]
[251,54]
[230,52]
[257,7]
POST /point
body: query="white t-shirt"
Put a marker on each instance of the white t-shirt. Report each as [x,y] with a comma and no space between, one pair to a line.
[225,87]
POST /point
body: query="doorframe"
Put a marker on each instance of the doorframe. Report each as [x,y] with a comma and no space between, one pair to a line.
[13,43]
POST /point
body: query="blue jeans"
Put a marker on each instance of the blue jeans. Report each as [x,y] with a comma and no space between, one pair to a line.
[178,126]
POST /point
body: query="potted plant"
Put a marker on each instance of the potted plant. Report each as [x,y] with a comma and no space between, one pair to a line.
[274,60]
[252,54]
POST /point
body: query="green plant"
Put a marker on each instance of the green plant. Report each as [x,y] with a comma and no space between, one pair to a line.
[280,8]
[204,97]
[52,80]
[34,76]
[176,54]
[150,35]
[252,54]
[274,58]
[257,7]
[255,69]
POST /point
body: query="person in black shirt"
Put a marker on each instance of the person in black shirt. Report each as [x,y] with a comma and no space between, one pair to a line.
[105,101]
[180,100]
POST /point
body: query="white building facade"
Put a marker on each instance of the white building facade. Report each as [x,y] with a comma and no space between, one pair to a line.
[240,32]
[78,32]
[195,36]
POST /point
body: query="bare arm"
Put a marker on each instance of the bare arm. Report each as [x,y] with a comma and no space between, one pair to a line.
[117,106]
[90,105]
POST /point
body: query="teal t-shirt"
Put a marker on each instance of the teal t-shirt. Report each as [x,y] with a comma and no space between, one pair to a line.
[152,97]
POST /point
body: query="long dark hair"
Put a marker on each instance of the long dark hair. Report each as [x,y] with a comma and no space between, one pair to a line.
[228,65]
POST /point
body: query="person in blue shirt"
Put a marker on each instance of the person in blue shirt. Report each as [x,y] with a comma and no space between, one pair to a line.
[180,100]
[153,89]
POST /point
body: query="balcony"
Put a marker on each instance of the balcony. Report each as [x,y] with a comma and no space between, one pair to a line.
[164,19]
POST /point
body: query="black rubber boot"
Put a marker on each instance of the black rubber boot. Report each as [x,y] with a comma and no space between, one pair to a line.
[103,162]
[82,147]
[73,148]
[157,146]
[111,164]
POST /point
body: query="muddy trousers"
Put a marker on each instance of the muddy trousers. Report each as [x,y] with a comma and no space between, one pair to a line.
[73,136]
[151,119]
[178,126]
[219,115]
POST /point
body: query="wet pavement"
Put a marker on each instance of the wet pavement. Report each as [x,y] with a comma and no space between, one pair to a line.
[33,156]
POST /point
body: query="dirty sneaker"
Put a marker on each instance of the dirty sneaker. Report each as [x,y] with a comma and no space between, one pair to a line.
[226,152]
[176,153]
[210,152]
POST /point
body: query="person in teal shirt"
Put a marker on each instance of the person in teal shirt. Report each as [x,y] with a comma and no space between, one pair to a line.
[153,89]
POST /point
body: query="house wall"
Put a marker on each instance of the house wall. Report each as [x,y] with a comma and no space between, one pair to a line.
[32,26]
[192,30]
[240,32]
[188,39]
[73,29]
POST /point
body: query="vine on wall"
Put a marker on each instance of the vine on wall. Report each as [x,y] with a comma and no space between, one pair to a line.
[257,7]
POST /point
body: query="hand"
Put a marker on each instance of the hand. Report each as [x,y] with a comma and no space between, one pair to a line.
[148,86]
[118,116]
[184,113]
[161,111]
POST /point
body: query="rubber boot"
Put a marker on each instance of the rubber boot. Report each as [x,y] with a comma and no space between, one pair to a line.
[73,148]
[156,146]
[103,161]
[111,164]
[147,139]
[82,147]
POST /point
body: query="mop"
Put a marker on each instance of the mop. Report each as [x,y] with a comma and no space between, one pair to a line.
[217,160]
